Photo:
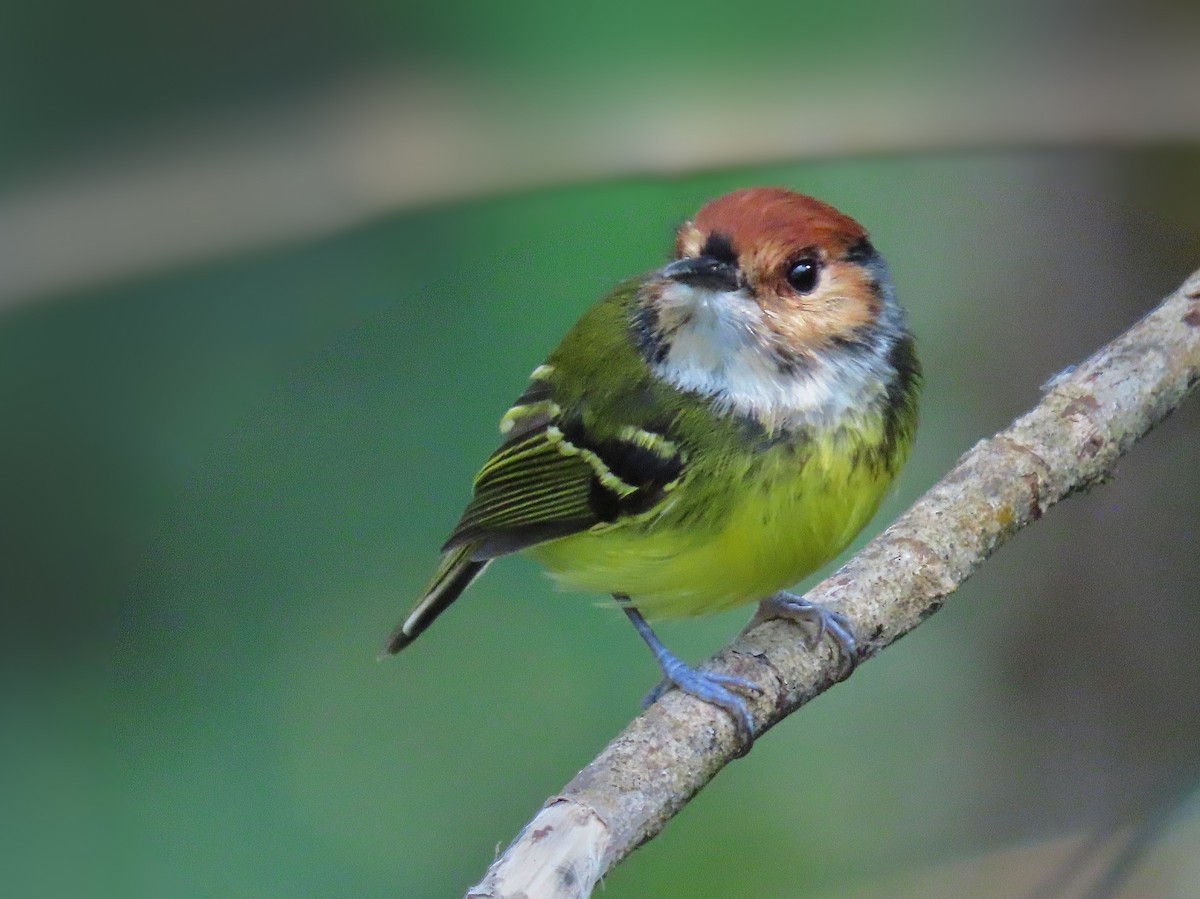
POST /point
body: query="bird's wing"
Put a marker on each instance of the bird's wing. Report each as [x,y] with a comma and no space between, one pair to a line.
[554,477]
[549,479]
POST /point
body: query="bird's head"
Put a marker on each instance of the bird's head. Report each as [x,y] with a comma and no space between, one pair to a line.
[767,288]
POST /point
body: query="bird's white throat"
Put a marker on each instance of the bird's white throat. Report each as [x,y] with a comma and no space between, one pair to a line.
[721,348]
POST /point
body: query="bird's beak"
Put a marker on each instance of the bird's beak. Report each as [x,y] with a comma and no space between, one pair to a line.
[703,271]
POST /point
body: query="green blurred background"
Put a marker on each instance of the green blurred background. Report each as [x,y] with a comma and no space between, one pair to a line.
[223,480]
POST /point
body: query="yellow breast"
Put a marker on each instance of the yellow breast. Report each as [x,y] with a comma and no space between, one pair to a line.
[731,536]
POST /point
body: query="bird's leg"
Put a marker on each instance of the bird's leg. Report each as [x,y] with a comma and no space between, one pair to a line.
[709,686]
[818,621]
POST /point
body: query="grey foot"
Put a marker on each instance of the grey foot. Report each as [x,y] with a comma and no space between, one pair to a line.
[819,621]
[715,689]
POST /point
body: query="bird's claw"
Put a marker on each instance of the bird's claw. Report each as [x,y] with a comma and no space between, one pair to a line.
[818,621]
[711,687]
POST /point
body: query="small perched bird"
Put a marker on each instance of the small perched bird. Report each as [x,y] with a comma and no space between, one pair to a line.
[708,434]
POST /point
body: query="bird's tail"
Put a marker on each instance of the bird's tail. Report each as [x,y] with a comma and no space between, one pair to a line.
[453,576]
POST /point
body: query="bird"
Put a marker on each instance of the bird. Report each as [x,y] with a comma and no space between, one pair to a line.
[707,435]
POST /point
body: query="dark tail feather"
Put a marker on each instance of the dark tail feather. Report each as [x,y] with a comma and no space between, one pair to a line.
[454,575]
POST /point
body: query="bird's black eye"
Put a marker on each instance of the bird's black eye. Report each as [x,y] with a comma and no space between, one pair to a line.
[803,275]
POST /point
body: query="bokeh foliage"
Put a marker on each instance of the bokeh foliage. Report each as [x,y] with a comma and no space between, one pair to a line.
[221,486]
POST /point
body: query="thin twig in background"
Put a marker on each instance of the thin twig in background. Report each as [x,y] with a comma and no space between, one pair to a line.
[1147,830]
[1077,863]
[1069,442]
[1104,862]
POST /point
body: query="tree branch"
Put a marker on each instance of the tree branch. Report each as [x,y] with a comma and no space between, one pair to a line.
[1071,440]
